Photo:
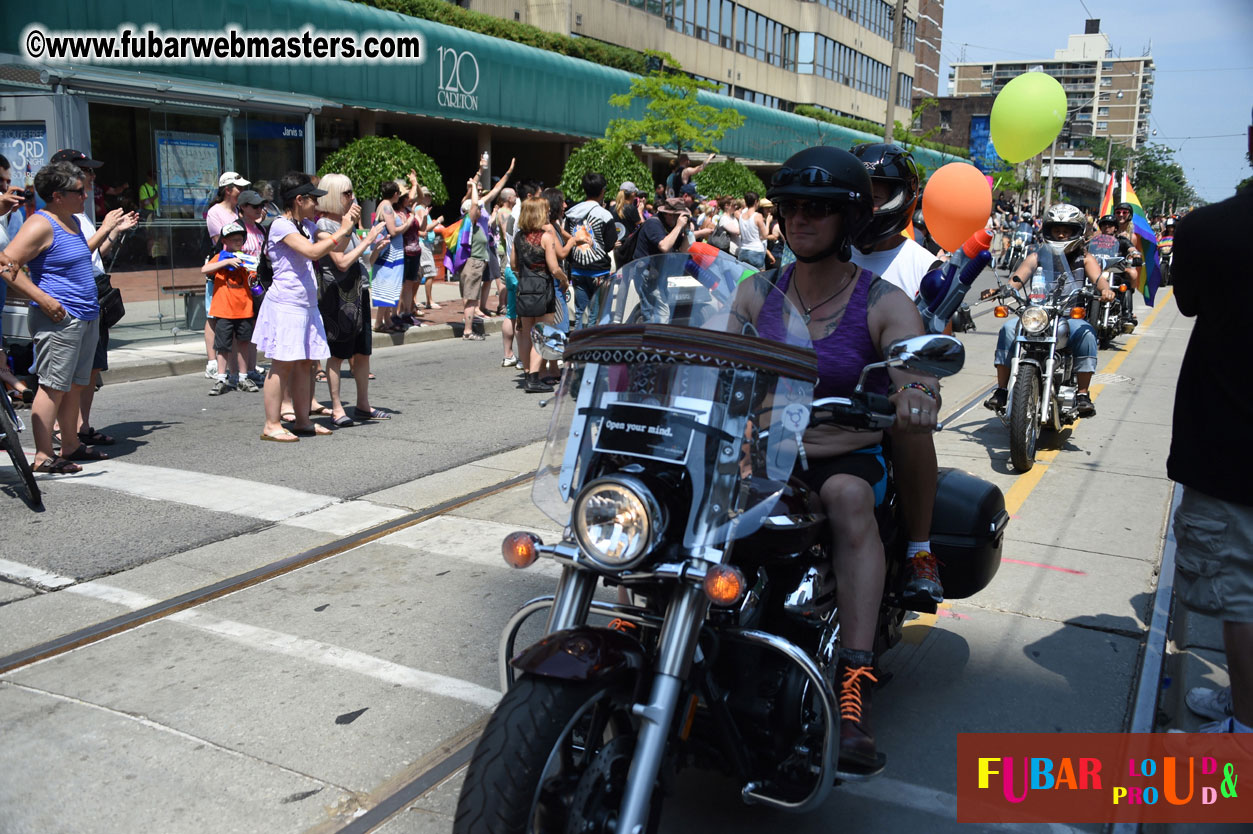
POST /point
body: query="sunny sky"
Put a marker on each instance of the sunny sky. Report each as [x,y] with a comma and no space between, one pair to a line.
[1202,49]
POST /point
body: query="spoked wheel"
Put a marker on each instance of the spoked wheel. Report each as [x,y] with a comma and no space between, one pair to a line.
[553,759]
[1024,418]
[10,436]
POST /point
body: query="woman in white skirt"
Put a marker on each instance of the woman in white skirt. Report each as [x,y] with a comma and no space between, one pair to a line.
[289,327]
[389,270]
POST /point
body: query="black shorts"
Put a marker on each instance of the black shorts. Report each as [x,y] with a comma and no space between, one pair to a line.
[412,268]
[867,464]
[100,362]
[227,331]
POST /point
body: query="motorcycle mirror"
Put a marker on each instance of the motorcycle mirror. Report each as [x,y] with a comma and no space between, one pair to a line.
[937,355]
[550,341]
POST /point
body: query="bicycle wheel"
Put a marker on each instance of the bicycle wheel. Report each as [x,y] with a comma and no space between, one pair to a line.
[10,436]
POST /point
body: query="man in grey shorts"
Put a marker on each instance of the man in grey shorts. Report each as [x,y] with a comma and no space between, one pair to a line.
[1209,454]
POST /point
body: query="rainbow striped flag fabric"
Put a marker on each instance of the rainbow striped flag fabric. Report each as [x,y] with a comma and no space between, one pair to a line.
[1107,202]
[1148,243]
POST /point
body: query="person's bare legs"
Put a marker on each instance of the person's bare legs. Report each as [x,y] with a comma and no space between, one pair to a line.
[506,337]
[360,364]
[85,399]
[408,298]
[429,283]
[334,368]
[44,411]
[275,383]
[208,339]
[467,318]
[302,395]
[524,343]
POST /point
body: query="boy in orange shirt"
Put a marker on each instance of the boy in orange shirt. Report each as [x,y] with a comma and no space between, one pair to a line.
[231,309]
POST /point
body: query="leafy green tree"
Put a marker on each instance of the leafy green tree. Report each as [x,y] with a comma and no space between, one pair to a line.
[901,135]
[728,178]
[1114,157]
[673,115]
[613,159]
[1159,180]
[373,160]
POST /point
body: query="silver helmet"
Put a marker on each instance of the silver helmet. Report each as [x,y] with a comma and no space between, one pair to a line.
[1064,216]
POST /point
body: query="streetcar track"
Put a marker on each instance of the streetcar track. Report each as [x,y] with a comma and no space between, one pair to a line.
[133,619]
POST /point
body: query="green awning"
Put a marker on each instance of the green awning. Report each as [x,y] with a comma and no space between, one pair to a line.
[464,76]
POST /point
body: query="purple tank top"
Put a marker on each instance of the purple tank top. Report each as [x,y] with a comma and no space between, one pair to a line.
[843,354]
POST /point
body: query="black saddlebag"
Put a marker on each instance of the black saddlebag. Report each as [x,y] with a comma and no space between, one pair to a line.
[967,531]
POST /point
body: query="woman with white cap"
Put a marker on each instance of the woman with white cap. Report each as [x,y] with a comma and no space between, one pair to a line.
[223,210]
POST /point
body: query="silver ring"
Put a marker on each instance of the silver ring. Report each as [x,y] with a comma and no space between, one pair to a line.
[928,413]
[915,411]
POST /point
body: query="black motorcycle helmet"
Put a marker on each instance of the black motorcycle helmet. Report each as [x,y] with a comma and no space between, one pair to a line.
[827,173]
[892,165]
[1106,219]
[1124,207]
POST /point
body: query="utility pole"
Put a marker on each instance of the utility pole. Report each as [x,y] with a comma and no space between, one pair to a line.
[898,38]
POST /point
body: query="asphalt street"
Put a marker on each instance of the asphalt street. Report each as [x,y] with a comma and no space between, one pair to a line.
[302,702]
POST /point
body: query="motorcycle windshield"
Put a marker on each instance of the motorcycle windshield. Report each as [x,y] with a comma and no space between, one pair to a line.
[1054,281]
[697,377]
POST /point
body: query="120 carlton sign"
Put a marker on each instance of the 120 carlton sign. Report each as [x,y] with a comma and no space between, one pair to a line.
[458,79]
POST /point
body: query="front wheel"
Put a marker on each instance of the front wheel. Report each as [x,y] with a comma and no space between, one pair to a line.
[1024,418]
[12,440]
[553,758]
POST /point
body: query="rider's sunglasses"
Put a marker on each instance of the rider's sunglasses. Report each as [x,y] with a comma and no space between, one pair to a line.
[1122,213]
[812,209]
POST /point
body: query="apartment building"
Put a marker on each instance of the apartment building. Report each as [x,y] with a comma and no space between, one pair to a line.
[835,54]
[1107,95]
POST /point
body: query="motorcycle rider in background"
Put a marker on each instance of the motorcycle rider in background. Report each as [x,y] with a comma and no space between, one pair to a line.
[824,201]
[1123,214]
[883,250]
[1064,230]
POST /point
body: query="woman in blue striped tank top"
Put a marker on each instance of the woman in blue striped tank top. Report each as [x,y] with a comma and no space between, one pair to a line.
[64,312]
[824,198]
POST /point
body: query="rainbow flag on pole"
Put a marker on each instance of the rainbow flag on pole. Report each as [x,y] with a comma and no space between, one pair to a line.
[1107,202]
[1148,243]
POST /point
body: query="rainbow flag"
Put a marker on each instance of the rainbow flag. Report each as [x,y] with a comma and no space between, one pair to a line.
[1107,202]
[1148,243]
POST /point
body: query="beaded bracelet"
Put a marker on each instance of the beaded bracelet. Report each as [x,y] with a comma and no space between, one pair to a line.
[918,386]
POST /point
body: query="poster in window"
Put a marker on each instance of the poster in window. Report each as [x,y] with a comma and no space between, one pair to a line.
[25,145]
[188,165]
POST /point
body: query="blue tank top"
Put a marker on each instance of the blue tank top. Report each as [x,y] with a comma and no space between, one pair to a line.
[63,271]
[841,355]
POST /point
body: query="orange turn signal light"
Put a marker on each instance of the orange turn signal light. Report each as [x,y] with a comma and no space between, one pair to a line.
[1122,287]
[1078,312]
[724,585]
[1001,311]
[520,549]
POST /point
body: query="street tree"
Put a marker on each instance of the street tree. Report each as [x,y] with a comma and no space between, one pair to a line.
[613,159]
[373,160]
[728,178]
[1159,181]
[673,116]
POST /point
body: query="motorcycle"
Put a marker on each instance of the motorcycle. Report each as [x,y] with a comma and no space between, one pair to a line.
[1111,319]
[1019,246]
[669,464]
[1166,249]
[1042,384]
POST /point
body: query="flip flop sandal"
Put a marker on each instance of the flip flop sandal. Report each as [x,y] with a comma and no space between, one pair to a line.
[320,410]
[311,431]
[287,417]
[343,422]
[286,437]
[57,466]
[374,414]
[96,437]
[86,453]
[320,376]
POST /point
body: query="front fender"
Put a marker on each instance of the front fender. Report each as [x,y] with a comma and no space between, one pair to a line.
[583,653]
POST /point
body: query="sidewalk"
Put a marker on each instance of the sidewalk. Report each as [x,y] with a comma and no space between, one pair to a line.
[153,341]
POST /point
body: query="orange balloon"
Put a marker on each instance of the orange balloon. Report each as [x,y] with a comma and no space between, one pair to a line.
[956,203]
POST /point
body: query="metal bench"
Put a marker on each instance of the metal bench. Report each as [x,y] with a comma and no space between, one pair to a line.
[193,304]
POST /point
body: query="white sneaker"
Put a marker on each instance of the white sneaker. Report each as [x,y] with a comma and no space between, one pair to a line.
[211,370]
[1210,703]
[509,362]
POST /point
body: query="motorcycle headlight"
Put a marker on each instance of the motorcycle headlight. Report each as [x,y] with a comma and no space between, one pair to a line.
[616,521]
[1034,320]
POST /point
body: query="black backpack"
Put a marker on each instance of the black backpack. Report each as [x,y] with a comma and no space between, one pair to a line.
[265,269]
[624,252]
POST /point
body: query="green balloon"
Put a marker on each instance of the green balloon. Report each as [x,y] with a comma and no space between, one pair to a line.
[1027,116]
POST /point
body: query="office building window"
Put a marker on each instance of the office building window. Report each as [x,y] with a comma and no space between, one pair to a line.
[1102,125]
[904,90]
